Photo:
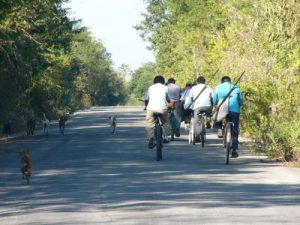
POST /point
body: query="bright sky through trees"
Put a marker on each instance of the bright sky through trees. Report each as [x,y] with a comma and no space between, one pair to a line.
[112,21]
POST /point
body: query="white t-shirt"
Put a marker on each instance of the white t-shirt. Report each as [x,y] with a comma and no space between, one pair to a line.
[204,100]
[157,94]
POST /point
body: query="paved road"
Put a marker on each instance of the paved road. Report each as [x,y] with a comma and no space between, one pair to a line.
[89,176]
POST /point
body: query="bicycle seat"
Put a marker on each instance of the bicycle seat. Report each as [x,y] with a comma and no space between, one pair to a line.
[156,114]
[157,117]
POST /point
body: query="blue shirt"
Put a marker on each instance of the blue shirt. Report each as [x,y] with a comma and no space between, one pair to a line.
[235,99]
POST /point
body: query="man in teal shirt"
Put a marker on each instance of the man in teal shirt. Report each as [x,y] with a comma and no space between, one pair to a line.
[235,102]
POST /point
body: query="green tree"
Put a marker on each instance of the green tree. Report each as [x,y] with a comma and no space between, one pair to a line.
[260,37]
[142,78]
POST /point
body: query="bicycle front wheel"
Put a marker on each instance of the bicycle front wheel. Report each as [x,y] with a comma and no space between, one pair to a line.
[158,138]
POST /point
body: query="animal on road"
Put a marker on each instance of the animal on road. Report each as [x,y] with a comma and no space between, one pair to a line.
[113,123]
[26,164]
[45,123]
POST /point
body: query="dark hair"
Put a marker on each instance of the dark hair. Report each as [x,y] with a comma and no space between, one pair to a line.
[225,79]
[171,81]
[159,79]
[188,84]
[201,80]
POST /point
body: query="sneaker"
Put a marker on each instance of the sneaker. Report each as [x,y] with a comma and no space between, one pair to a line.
[151,143]
[220,133]
[234,154]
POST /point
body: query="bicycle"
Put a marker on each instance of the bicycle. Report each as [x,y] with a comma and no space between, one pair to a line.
[172,122]
[158,137]
[227,128]
[201,123]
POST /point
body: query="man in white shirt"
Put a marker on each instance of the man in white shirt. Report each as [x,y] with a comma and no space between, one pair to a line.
[157,98]
[202,95]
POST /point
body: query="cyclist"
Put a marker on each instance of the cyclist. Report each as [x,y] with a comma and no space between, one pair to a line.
[156,100]
[203,102]
[174,92]
[235,102]
[187,103]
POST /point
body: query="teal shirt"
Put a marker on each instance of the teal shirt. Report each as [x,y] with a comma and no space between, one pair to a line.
[235,99]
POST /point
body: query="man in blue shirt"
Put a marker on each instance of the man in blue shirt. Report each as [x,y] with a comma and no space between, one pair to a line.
[174,92]
[235,102]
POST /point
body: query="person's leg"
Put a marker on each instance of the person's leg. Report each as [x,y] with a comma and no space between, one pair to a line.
[165,124]
[150,123]
[177,114]
[218,126]
[235,118]
[208,117]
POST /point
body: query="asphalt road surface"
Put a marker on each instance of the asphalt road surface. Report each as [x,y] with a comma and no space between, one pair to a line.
[89,176]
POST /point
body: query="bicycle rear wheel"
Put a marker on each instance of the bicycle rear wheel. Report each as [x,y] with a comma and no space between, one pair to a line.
[227,141]
[158,138]
[191,132]
[203,131]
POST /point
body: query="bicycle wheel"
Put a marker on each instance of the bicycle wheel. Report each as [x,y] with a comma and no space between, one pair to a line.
[227,141]
[193,135]
[158,138]
[191,132]
[202,132]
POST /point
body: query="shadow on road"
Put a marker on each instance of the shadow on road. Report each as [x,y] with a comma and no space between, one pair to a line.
[90,167]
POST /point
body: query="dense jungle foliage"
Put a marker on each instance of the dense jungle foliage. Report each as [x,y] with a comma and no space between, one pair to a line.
[50,63]
[261,37]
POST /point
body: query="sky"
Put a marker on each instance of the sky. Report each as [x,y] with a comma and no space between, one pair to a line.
[112,22]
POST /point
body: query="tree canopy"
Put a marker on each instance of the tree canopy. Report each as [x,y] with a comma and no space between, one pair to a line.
[192,37]
[51,63]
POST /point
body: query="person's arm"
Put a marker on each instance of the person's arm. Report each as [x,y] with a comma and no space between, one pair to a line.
[180,92]
[168,99]
[240,97]
[191,95]
[146,99]
[215,97]
[211,97]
